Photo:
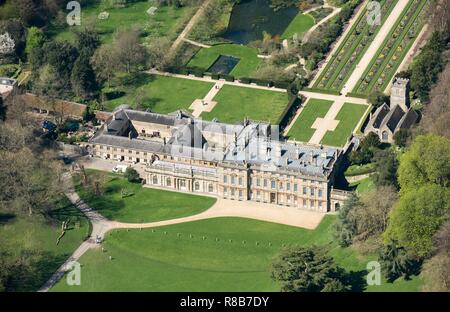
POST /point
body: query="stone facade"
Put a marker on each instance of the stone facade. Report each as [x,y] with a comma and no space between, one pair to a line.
[242,162]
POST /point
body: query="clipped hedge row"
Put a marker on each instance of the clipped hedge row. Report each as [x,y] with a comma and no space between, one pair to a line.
[318,90]
[289,111]
[357,95]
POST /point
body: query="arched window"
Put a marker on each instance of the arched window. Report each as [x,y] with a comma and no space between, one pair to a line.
[155,179]
[384,136]
[196,186]
[337,206]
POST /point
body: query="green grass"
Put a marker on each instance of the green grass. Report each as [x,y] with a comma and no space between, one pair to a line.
[300,24]
[161,94]
[348,116]
[248,64]
[146,205]
[34,238]
[166,22]
[235,103]
[315,108]
[364,185]
[218,254]
[355,170]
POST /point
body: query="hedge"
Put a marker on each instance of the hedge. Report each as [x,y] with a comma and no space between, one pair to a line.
[357,95]
[286,115]
[325,91]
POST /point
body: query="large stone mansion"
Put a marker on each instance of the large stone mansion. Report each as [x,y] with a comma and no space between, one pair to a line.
[246,161]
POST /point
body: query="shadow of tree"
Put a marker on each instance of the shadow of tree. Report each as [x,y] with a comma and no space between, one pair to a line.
[6,218]
[357,280]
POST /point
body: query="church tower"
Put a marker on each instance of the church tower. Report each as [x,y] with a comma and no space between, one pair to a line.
[400,94]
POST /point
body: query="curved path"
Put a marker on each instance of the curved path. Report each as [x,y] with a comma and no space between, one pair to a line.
[222,208]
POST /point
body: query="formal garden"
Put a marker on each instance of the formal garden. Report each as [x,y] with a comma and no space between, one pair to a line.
[390,55]
[116,198]
[156,93]
[341,65]
[234,104]
[220,254]
[314,108]
[107,17]
[349,116]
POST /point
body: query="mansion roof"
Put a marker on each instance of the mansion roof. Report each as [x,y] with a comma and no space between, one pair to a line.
[248,143]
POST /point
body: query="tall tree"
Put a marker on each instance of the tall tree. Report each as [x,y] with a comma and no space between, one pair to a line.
[130,53]
[426,161]
[104,62]
[385,165]
[35,39]
[83,79]
[308,269]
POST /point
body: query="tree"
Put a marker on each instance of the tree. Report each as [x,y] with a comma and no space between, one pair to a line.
[16,33]
[417,216]
[130,53]
[87,41]
[32,12]
[308,269]
[104,62]
[401,137]
[82,78]
[427,161]
[385,165]
[132,175]
[366,150]
[2,109]
[394,261]
[35,39]
[377,99]
[345,227]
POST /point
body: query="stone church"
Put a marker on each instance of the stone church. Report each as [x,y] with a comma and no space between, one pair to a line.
[388,119]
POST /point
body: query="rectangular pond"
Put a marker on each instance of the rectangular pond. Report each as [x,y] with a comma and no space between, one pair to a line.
[224,65]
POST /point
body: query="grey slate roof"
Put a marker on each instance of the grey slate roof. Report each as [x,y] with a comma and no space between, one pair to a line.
[394,117]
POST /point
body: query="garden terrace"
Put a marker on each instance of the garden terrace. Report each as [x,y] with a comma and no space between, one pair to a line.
[313,109]
[349,116]
[236,103]
[388,58]
[160,94]
[349,53]
[248,58]
[220,254]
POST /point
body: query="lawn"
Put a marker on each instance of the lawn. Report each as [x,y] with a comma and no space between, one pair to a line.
[363,186]
[167,21]
[235,103]
[348,116]
[314,108]
[144,205]
[246,67]
[301,24]
[221,254]
[161,94]
[33,239]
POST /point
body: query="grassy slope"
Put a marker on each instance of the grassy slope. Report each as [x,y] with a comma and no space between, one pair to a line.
[165,22]
[221,255]
[315,108]
[162,94]
[236,103]
[146,205]
[35,234]
[348,116]
[247,65]
[301,23]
